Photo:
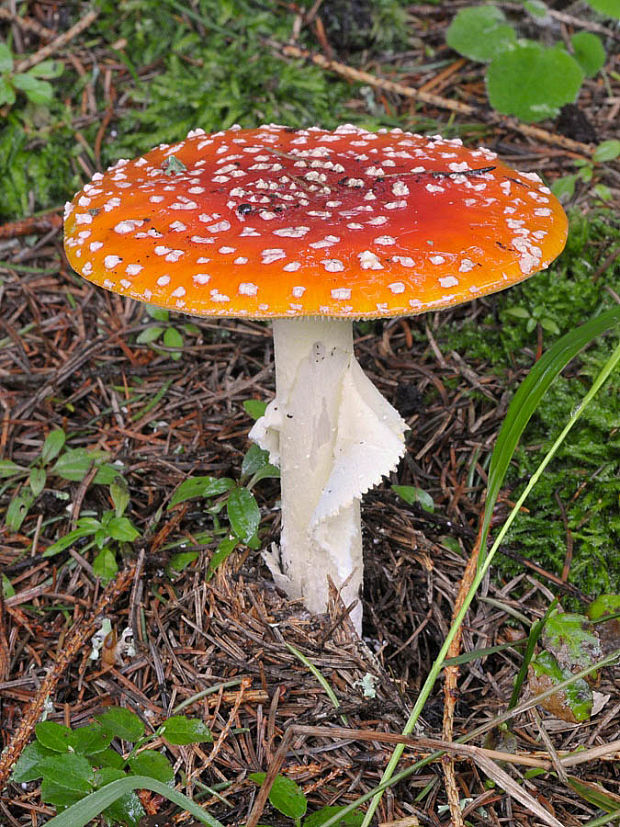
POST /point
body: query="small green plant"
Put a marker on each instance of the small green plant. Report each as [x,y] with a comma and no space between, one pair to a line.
[524,78]
[31,84]
[74,763]
[564,187]
[236,498]
[411,494]
[166,334]
[288,798]
[55,459]
[537,316]
[106,534]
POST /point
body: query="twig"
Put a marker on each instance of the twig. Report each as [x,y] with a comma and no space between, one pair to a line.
[76,639]
[58,43]
[358,76]
[485,758]
[32,225]
[27,23]
[450,686]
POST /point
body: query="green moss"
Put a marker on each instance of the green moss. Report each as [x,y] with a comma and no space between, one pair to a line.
[584,474]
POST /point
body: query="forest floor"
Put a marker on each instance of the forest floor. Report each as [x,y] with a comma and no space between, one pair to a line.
[140,413]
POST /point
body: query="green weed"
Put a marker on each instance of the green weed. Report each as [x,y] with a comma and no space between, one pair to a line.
[74,763]
[238,501]
[55,459]
[524,77]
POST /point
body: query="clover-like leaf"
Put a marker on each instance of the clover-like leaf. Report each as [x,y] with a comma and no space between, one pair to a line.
[480,33]
[533,82]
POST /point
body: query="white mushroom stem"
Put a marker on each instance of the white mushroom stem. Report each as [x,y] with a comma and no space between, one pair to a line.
[333,436]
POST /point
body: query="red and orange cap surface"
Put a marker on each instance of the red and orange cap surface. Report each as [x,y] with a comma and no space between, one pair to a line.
[276,222]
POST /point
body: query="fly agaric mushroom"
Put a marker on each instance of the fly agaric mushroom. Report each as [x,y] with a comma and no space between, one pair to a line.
[314,229]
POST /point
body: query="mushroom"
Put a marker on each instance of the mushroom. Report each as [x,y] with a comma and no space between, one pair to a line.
[315,229]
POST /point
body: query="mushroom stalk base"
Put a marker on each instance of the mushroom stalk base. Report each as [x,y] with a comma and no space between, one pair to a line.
[333,436]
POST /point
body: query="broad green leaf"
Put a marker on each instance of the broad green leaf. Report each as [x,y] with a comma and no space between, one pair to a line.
[254,459]
[533,82]
[37,91]
[285,795]
[47,69]
[574,703]
[157,313]
[254,408]
[122,529]
[105,565]
[172,337]
[119,491]
[74,464]
[201,487]
[91,739]
[152,763]
[60,796]
[550,325]
[8,589]
[54,736]
[607,151]
[527,398]
[480,33]
[182,559]
[564,188]
[70,538]
[7,93]
[68,770]
[149,334]
[36,480]
[121,723]
[28,765]
[353,819]
[518,312]
[572,639]
[18,509]
[610,8]
[224,550]
[106,775]
[536,8]
[180,730]
[106,474]
[81,813]
[11,469]
[53,445]
[268,471]
[410,494]
[6,58]
[243,513]
[589,52]
[108,758]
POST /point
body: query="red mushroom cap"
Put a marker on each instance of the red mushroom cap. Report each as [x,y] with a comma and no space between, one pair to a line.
[275,222]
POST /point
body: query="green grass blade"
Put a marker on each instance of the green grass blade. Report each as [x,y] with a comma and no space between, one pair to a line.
[80,814]
[527,398]
[608,368]
[320,678]
[532,639]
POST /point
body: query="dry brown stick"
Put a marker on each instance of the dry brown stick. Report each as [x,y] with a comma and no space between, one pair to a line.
[58,43]
[32,225]
[450,686]
[76,639]
[484,757]
[28,23]
[358,76]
